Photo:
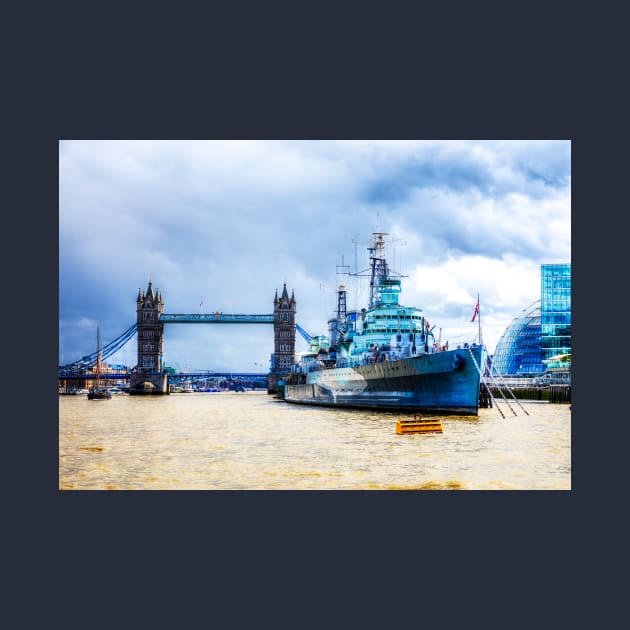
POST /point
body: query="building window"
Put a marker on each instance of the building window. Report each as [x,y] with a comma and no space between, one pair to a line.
[148,316]
[147,361]
[147,333]
[148,347]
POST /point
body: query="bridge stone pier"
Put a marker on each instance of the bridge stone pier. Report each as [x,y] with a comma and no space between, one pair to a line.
[148,377]
[284,309]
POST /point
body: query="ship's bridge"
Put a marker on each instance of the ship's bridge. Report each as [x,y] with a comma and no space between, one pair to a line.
[385,319]
[388,290]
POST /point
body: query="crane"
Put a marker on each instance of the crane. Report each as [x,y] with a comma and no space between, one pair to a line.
[304,334]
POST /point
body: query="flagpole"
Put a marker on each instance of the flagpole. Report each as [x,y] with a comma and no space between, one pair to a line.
[479,323]
[477,313]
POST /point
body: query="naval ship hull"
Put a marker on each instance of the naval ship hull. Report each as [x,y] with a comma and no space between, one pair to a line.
[437,383]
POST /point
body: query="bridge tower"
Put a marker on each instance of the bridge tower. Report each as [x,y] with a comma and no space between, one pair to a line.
[284,309]
[148,376]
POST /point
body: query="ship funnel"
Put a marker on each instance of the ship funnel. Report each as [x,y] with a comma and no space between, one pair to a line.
[333,330]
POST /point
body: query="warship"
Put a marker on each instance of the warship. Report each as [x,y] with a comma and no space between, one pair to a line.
[385,356]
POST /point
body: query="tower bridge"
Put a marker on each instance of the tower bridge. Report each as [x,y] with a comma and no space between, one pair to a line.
[149,375]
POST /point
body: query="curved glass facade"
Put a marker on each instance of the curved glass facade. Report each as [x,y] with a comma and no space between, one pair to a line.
[518,351]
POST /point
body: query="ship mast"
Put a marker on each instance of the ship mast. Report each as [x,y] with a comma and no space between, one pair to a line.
[342,270]
[97,387]
[378,265]
[379,270]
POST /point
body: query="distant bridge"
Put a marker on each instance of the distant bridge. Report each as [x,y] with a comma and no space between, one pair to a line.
[111,376]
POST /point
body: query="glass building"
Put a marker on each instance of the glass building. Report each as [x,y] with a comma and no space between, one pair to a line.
[555,311]
[518,352]
[542,331]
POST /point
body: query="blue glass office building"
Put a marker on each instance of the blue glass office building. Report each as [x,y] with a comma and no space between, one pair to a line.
[541,331]
[555,310]
[518,351]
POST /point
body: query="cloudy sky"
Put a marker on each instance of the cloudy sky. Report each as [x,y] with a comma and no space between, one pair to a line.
[220,225]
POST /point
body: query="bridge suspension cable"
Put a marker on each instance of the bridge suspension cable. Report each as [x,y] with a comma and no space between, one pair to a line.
[106,351]
[304,334]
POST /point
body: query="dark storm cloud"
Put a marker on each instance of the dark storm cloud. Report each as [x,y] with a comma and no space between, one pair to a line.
[395,185]
[494,170]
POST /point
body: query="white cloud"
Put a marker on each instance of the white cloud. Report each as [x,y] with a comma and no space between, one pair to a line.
[448,293]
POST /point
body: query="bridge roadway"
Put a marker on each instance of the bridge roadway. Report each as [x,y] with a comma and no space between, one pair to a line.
[214,318]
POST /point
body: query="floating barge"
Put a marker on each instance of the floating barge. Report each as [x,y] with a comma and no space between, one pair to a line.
[419,425]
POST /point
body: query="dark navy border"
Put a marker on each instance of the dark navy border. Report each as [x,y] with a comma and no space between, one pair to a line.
[238,558]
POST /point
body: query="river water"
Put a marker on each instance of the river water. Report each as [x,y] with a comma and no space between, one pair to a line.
[251,441]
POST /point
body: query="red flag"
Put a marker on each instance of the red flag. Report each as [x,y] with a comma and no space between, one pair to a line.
[476,311]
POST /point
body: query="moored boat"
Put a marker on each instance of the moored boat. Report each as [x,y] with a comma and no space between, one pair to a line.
[385,356]
[99,394]
[98,391]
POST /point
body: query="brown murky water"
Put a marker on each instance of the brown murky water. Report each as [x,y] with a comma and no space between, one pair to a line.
[250,441]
